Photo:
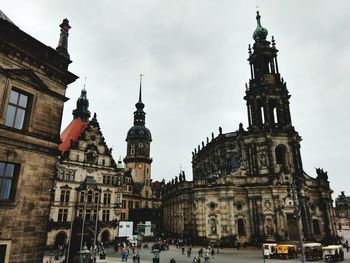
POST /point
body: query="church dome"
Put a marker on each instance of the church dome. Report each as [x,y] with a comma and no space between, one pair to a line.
[260,32]
[139,132]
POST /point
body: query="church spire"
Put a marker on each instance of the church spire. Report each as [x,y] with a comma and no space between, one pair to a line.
[266,95]
[62,47]
[82,110]
[139,105]
[139,114]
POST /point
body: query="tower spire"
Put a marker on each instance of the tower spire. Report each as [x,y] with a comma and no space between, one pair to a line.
[139,114]
[140,93]
[62,47]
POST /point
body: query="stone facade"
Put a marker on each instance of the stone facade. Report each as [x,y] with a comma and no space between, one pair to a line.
[33,82]
[342,210]
[88,183]
[247,183]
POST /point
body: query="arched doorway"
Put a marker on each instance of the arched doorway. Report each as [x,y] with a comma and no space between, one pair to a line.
[105,236]
[240,227]
[60,239]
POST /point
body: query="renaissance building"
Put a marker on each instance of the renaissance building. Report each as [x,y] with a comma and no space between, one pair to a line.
[87,194]
[248,183]
[33,83]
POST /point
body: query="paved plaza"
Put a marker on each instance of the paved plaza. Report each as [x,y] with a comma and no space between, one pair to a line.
[251,255]
[226,255]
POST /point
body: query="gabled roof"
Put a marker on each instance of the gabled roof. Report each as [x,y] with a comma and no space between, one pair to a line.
[71,133]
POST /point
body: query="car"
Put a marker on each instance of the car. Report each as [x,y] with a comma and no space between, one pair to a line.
[333,253]
[269,250]
[313,251]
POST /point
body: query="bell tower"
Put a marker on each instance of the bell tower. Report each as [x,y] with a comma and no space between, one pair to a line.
[139,140]
[266,94]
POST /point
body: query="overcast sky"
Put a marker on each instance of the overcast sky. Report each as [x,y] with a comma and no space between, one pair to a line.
[193,54]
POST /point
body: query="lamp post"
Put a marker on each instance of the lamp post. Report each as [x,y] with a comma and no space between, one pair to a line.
[296,214]
[84,255]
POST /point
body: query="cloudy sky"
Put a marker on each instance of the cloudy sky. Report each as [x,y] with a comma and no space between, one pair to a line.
[193,54]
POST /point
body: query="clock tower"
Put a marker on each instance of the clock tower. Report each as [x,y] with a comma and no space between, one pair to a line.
[138,145]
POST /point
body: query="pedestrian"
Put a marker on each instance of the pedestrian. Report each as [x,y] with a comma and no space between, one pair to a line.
[347,245]
[200,253]
[212,252]
[238,245]
[183,250]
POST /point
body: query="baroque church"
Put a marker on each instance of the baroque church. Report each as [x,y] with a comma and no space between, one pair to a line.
[249,185]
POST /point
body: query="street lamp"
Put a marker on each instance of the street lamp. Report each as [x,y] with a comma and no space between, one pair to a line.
[296,215]
[84,255]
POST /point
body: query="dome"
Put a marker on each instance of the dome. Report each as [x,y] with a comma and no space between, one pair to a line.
[260,32]
[139,132]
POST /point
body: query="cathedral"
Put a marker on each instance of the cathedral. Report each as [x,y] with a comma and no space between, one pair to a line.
[249,185]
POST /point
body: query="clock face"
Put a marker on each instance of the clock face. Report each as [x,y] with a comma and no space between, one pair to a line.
[140,165]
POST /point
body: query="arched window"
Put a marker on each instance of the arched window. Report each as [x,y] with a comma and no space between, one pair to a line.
[316,227]
[262,115]
[280,153]
[89,197]
[240,227]
[275,116]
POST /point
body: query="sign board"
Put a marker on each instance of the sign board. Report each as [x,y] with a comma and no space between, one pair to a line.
[125,229]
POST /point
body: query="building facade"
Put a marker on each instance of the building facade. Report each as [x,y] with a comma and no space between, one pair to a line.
[247,183]
[342,210]
[33,83]
[88,184]
[140,192]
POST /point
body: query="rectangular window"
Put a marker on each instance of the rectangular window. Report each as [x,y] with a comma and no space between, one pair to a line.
[8,177]
[5,247]
[82,197]
[124,204]
[88,215]
[61,174]
[96,198]
[105,215]
[117,199]
[122,215]
[137,204]
[62,215]
[17,110]
[95,216]
[130,204]
[106,198]
[64,196]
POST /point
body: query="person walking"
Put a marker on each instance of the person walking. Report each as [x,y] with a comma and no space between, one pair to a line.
[212,252]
